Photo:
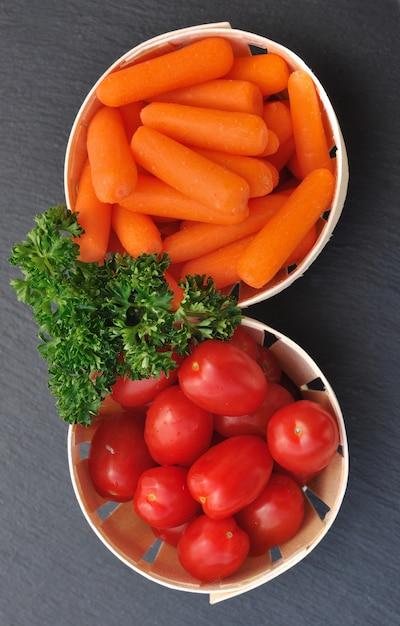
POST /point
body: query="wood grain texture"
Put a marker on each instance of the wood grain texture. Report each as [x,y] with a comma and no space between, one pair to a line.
[344,312]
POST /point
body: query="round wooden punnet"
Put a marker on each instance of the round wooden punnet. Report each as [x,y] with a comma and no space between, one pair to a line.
[133,541]
[243,43]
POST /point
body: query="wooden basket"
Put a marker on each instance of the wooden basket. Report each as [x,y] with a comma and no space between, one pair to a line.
[243,43]
[133,541]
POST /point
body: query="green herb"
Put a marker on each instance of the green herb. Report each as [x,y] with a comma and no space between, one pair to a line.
[89,315]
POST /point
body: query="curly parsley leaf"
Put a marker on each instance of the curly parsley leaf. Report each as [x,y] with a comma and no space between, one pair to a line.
[89,315]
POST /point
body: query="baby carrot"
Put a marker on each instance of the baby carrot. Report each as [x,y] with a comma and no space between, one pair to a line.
[131,117]
[260,175]
[220,264]
[227,95]
[137,232]
[201,238]
[175,288]
[114,171]
[95,219]
[277,117]
[272,145]
[198,62]
[308,129]
[189,172]
[270,248]
[303,248]
[227,131]
[269,71]
[283,154]
[154,197]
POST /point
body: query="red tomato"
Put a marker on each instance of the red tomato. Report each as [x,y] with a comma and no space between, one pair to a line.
[269,364]
[118,455]
[242,339]
[230,475]
[177,431]
[274,516]
[135,393]
[162,498]
[222,379]
[254,423]
[211,549]
[170,535]
[303,437]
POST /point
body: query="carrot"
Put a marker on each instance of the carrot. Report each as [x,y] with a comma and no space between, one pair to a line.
[283,154]
[227,95]
[272,145]
[131,116]
[154,197]
[269,71]
[271,247]
[114,244]
[175,288]
[308,130]
[220,264]
[227,131]
[276,115]
[137,232]
[303,248]
[189,172]
[198,62]
[200,238]
[260,175]
[95,219]
[114,171]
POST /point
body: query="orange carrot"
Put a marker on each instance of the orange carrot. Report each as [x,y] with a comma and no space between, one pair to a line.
[272,145]
[114,171]
[220,264]
[200,238]
[269,71]
[308,129]
[154,197]
[175,288]
[227,131]
[283,154]
[189,172]
[276,115]
[271,247]
[303,248]
[198,62]
[227,95]
[137,232]
[131,116]
[95,219]
[260,175]
[114,244]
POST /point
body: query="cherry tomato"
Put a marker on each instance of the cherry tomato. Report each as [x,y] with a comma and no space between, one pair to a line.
[212,549]
[242,339]
[230,475]
[269,364]
[254,423]
[162,498]
[274,516]
[300,478]
[118,455]
[302,437]
[177,431]
[135,393]
[222,379]
[170,535]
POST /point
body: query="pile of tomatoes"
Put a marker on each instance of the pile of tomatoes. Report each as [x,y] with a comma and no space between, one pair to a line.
[213,456]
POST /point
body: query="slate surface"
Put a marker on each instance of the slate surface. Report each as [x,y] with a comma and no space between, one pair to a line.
[344,312]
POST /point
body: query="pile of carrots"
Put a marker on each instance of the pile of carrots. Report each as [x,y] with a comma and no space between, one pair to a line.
[222,162]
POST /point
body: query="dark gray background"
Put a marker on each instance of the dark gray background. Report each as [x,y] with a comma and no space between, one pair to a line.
[344,312]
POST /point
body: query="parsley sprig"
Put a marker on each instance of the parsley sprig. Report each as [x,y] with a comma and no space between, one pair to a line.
[89,315]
